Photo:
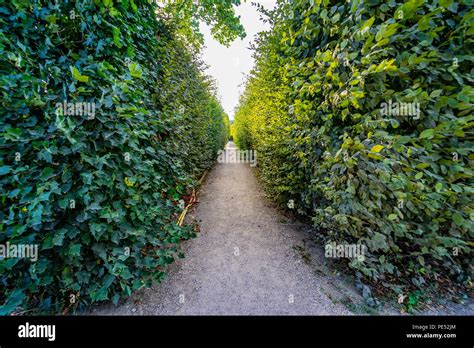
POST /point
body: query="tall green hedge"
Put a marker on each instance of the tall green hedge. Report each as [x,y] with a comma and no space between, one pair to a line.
[100,194]
[314,110]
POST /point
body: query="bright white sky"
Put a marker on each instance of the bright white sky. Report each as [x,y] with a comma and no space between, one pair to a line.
[229,65]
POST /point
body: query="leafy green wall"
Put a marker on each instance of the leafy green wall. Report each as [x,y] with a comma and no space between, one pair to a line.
[313,109]
[99,195]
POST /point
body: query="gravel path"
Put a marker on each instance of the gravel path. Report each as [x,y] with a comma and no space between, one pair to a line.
[249,259]
[246,259]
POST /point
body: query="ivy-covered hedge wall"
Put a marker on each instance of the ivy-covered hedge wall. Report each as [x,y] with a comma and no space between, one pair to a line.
[320,108]
[96,188]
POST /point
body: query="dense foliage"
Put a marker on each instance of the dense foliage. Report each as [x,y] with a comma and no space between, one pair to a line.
[188,15]
[98,191]
[399,183]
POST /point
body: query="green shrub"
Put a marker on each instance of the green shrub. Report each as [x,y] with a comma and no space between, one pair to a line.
[98,192]
[313,109]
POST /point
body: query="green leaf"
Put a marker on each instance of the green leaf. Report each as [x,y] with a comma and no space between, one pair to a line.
[376,148]
[436,93]
[378,242]
[13,133]
[51,19]
[367,24]
[424,23]
[116,36]
[5,170]
[74,250]
[115,299]
[422,165]
[427,134]
[77,75]
[458,219]
[14,300]
[47,243]
[135,70]
[445,3]
[58,238]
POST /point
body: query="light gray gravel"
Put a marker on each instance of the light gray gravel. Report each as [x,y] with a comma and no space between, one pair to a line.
[243,260]
[246,260]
